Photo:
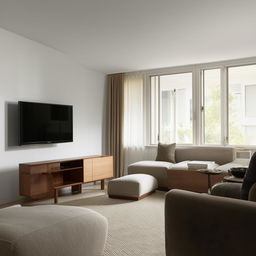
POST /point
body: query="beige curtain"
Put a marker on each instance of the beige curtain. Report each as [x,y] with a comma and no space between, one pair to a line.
[134,119]
[115,121]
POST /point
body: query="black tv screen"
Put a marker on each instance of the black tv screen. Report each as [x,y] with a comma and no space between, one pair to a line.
[42,123]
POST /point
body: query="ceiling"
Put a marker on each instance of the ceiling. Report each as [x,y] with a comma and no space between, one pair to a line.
[127,35]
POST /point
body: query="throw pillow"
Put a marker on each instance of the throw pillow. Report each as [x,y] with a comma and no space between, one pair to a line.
[166,152]
[249,178]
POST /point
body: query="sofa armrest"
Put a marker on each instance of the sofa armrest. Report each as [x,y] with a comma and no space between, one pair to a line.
[199,225]
[227,189]
[252,193]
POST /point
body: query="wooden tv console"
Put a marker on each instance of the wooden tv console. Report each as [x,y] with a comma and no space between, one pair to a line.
[40,180]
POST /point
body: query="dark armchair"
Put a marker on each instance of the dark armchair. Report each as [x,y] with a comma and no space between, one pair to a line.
[204,225]
[246,190]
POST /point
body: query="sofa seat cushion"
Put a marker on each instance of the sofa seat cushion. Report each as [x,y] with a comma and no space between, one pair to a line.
[51,230]
[180,166]
[134,186]
[153,164]
[158,169]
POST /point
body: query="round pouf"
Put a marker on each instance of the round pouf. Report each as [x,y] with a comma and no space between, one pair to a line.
[133,187]
[52,230]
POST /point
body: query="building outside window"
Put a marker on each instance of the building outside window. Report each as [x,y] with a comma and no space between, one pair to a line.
[242,105]
[171,105]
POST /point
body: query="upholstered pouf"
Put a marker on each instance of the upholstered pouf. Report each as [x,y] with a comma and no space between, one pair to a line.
[51,231]
[134,186]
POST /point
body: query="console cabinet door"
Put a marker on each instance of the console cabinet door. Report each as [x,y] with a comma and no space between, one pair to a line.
[102,168]
[34,182]
[88,169]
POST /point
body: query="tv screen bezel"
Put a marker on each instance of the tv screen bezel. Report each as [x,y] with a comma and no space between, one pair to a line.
[21,139]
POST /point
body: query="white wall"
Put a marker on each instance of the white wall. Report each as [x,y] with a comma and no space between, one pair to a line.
[30,71]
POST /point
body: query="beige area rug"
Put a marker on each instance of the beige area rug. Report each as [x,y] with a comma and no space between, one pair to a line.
[135,227]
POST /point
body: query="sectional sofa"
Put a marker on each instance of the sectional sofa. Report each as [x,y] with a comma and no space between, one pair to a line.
[178,175]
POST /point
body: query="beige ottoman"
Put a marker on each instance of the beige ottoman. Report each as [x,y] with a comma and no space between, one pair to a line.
[134,186]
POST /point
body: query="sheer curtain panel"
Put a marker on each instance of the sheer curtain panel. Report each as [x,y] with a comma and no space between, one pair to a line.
[133,118]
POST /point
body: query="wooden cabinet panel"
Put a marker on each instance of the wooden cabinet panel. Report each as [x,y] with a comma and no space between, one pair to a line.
[102,168]
[40,184]
[33,181]
[88,170]
[34,169]
[38,169]
[35,186]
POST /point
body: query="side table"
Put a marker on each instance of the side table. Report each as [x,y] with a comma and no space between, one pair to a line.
[232,179]
[209,173]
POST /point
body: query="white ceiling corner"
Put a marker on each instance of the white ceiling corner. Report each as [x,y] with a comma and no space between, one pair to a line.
[117,35]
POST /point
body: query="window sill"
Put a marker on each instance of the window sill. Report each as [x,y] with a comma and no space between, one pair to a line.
[242,148]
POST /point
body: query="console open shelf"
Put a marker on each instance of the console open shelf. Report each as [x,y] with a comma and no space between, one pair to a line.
[64,169]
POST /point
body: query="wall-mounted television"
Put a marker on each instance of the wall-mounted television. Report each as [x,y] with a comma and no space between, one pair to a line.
[43,123]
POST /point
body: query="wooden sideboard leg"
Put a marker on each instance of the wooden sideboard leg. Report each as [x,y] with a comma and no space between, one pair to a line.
[102,182]
[76,189]
[55,195]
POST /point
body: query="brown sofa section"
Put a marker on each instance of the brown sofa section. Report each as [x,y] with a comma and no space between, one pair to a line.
[200,225]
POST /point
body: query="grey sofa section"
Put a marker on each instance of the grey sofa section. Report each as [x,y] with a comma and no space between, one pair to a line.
[200,225]
[159,169]
[52,231]
[220,155]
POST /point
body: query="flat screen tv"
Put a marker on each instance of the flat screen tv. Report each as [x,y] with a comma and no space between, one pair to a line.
[43,123]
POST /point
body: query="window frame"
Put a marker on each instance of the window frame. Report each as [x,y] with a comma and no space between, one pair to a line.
[197,98]
[202,108]
[252,62]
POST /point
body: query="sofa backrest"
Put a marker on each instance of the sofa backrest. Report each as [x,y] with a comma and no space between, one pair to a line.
[221,155]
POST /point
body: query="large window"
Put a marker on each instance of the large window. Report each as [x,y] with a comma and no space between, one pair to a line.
[171,108]
[242,105]
[211,105]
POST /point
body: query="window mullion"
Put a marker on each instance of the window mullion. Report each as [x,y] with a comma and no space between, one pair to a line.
[196,108]
[202,107]
[174,115]
[159,109]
